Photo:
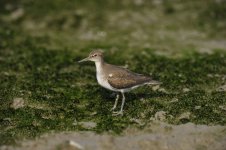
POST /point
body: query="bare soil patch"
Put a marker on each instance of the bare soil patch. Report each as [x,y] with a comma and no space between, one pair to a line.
[157,135]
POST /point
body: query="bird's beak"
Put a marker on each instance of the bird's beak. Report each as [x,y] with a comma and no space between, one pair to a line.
[85,59]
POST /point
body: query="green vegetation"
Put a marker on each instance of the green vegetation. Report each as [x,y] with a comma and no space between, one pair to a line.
[40,39]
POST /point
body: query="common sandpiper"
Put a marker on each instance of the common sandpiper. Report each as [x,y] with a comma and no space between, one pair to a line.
[117,79]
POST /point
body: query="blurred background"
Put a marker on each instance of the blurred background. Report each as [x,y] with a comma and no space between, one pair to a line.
[165,26]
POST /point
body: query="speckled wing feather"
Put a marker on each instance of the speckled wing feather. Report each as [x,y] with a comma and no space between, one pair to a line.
[126,79]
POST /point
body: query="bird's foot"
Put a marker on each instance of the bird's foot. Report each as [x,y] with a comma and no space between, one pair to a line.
[117,113]
[113,108]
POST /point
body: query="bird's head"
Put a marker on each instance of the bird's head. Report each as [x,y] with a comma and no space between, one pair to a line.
[95,55]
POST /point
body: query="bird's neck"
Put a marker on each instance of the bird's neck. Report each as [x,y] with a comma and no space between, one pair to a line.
[99,66]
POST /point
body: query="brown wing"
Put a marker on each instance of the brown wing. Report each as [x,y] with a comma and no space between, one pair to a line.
[126,79]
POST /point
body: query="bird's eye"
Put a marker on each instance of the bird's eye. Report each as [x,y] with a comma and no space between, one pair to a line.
[95,55]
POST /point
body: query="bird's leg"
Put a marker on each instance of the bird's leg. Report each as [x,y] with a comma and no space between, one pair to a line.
[122,105]
[116,102]
[123,102]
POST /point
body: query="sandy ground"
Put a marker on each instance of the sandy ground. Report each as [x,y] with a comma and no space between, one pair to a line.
[157,136]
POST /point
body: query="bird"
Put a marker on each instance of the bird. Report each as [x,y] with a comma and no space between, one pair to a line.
[116,78]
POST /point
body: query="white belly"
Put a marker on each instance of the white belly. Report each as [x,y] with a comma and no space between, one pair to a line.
[103,82]
[101,78]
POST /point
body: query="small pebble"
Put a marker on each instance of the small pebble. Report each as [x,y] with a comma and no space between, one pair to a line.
[197,107]
[185,115]
[75,144]
[174,100]
[186,90]
[17,103]
[160,115]
[222,107]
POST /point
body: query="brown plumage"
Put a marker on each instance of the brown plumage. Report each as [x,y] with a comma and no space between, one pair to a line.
[121,78]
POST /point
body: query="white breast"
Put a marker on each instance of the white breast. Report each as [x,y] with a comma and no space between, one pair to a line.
[101,78]
[103,82]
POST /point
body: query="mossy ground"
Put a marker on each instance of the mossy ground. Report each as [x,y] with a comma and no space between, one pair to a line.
[38,46]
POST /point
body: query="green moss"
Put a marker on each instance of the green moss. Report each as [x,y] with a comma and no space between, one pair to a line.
[36,75]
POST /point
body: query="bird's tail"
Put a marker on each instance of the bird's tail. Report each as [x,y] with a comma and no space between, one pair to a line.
[154,82]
